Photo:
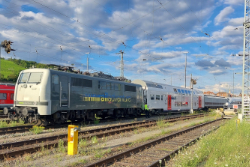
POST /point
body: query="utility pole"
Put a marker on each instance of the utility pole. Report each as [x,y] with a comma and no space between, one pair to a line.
[193,82]
[185,67]
[122,64]
[87,61]
[233,84]
[171,79]
[191,110]
[245,68]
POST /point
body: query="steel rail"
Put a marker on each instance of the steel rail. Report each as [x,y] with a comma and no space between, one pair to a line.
[128,153]
[11,149]
[26,128]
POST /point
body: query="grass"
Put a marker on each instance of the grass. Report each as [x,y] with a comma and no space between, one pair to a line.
[96,121]
[83,143]
[9,67]
[36,129]
[228,146]
[4,124]
[94,140]
[61,147]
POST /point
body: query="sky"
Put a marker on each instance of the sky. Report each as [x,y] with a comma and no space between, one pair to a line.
[155,36]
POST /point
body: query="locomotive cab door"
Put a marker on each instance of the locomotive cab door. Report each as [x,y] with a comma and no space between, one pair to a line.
[169,102]
[64,91]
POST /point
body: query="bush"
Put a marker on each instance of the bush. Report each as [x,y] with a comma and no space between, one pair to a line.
[36,129]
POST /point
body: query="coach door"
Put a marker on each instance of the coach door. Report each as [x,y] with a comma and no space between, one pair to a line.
[64,91]
[169,102]
[200,102]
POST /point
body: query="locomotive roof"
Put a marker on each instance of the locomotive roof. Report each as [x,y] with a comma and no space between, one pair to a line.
[77,75]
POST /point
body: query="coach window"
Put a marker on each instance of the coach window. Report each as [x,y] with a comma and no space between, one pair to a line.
[161,97]
[152,97]
[3,96]
[179,91]
[11,96]
[157,97]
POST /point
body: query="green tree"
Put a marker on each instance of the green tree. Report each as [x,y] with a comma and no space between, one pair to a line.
[12,77]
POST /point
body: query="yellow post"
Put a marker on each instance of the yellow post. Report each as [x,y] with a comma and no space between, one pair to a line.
[72,139]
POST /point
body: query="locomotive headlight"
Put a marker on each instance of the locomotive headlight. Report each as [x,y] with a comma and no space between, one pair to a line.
[226,103]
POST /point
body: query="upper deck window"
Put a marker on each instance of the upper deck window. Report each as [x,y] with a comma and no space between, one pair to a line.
[179,91]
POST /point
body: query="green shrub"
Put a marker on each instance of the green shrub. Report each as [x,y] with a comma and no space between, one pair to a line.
[36,129]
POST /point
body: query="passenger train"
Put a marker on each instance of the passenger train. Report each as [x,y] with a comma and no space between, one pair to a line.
[6,95]
[48,96]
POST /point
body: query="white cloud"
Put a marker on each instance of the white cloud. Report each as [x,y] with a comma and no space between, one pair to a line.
[223,15]
[234,2]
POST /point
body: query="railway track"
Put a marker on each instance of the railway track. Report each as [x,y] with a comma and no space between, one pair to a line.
[157,152]
[26,128]
[33,145]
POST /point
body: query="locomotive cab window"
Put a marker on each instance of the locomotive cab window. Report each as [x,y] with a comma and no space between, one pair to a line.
[24,77]
[35,77]
[3,96]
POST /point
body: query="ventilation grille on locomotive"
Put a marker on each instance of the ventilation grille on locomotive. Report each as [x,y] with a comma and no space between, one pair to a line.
[130,88]
[81,82]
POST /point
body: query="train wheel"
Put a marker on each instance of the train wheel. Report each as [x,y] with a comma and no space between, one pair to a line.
[44,122]
[39,122]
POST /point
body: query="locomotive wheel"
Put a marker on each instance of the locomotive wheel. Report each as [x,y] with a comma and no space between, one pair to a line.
[39,122]
[44,122]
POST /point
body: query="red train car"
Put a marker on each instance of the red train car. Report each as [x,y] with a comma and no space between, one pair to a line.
[6,95]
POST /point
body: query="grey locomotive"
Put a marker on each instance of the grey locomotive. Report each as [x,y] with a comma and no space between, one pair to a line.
[49,96]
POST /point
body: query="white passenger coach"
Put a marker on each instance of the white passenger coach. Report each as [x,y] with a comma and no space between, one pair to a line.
[162,97]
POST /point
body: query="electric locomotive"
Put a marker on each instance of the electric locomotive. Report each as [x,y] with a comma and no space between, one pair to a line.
[49,96]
